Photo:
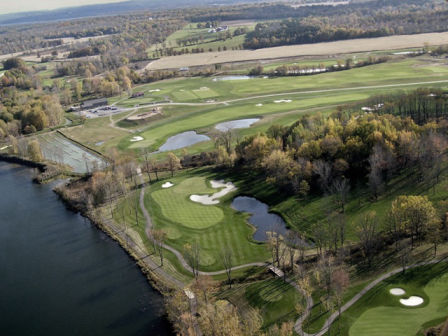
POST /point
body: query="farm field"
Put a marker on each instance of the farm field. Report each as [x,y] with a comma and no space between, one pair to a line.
[318,49]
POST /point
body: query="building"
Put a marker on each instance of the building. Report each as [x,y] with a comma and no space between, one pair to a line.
[90,104]
[222,28]
[138,94]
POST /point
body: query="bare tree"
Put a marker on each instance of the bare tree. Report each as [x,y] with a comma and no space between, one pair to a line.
[366,231]
[192,254]
[173,163]
[146,163]
[159,237]
[341,188]
[324,170]
[340,282]
[226,255]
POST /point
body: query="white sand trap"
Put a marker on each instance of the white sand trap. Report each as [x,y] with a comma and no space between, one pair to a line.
[283,101]
[209,200]
[412,301]
[259,105]
[156,90]
[397,291]
[137,138]
[167,185]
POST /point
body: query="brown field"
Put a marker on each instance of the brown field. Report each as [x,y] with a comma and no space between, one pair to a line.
[238,23]
[318,49]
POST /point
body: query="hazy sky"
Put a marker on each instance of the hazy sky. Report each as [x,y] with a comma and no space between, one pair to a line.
[11,6]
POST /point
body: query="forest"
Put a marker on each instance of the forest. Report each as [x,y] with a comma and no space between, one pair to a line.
[345,27]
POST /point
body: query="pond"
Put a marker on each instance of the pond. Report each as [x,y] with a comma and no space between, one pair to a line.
[234,124]
[182,140]
[232,78]
[261,218]
[57,148]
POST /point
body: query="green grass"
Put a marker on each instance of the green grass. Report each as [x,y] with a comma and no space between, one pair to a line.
[188,222]
[177,207]
[96,133]
[393,72]
[274,299]
[208,39]
[380,313]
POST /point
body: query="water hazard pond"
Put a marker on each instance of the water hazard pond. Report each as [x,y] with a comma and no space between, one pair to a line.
[60,275]
[236,124]
[182,140]
[261,218]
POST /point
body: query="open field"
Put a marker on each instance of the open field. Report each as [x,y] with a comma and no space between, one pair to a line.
[206,39]
[318,49]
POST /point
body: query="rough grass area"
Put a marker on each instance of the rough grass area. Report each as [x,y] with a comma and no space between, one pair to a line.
[274,299]
[213,227]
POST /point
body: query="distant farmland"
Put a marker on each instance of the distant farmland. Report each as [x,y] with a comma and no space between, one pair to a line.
[318,49]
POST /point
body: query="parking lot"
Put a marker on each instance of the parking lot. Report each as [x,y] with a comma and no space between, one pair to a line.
[102,111]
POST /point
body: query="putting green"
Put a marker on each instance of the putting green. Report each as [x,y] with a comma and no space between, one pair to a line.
[176,205]
[397,321]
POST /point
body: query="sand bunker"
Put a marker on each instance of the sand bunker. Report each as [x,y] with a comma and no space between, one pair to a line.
[412,301]
[259,105]
[167,185]
[283,101]
[209,200]
[397,291]
[137,138]
[156,90]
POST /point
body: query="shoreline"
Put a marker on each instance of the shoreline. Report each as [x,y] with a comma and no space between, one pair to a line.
[139,257]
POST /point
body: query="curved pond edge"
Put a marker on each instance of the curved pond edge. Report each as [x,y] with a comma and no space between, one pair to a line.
[272,210]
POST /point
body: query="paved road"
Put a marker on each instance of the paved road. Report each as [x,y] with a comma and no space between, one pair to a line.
[332,318]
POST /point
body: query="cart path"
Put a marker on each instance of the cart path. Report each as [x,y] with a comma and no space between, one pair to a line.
[292,282]
[149,226]
[356,298]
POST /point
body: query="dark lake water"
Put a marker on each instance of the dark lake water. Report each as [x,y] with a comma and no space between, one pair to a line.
[60,276]
[182,140]
[261,218]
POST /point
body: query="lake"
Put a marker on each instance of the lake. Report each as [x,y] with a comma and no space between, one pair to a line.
[60,275]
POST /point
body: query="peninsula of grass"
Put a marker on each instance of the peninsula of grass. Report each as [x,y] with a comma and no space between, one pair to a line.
[213,227]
